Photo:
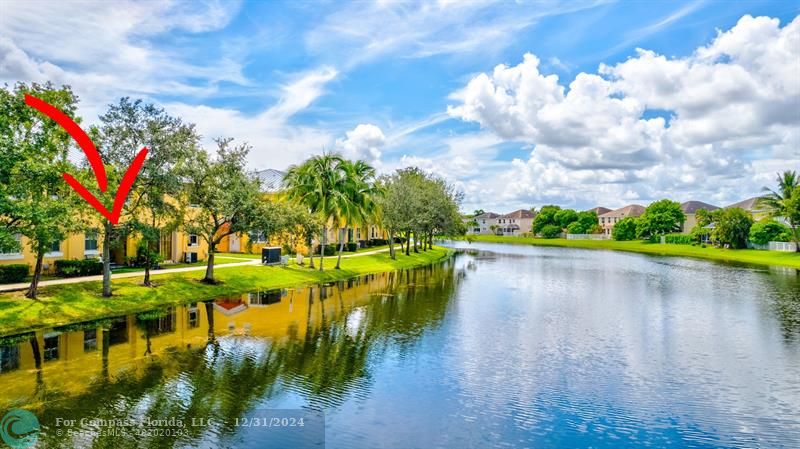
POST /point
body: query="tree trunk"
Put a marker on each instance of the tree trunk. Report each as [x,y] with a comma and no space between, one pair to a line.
[416,237]
[209,279]
[107,259]
[323,242]
[37,274]
[147,275]
[37,355]
[391,246]
[408,242]
[342,233]
[210,318]
[311,252]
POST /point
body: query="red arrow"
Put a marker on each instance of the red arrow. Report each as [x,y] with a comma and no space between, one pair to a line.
[95,161]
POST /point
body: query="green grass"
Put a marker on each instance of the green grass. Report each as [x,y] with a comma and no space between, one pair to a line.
[776,258]
[69,303]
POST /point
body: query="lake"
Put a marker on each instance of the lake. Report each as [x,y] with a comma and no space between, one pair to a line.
[502,347]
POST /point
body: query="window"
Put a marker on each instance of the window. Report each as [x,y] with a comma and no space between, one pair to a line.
[14,252]
[55,247]
[192,239]
[194,315]
[9,358]
[90,242]
[51,346]
[89,340]
[259,237]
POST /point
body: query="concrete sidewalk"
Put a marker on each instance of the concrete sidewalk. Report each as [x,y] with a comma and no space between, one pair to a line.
[133,274]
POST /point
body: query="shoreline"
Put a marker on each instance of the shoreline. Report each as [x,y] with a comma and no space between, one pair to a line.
[748,256]
[60,305]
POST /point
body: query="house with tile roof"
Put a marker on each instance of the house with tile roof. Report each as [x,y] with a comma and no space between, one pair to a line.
[751,205]
[599,210]
[481,224]
[609,219]
[515,223]
[690,209]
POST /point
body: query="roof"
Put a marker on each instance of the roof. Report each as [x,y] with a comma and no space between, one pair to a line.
[691,207]
[749,204]
[271,179]
[519,214]
[631,210]
[599,210]
[486,215]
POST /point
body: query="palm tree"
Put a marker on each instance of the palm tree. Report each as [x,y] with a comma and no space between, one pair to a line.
[316,184]
[784,201]
[356,198]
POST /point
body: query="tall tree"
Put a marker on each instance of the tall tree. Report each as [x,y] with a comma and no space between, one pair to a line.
[355,198]
[35,202]
[224,197]
[316,184]
[784,202]
[660,217]
[127,127]
[732,227]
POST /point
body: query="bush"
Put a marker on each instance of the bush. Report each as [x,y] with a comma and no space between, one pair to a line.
[767,231]
[74,268]
[10,274]
[379,242]
[624,229]
[330,250]
[551,231]
[678,239]
[351,247]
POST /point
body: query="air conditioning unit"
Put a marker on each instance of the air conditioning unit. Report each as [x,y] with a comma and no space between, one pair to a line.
[271,255]
[190,257]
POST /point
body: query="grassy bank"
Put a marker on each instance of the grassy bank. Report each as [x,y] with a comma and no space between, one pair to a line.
[62,304]
[753,256]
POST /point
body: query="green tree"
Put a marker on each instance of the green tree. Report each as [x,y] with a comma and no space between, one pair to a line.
[127,127]
[785,202]
[355,198]
[565,217]
[766,231]
[624,229]
[478,212]
[546,216]
[316,184]
[661,217]
[732,227]
[35,202]
[584,223]
[224,198]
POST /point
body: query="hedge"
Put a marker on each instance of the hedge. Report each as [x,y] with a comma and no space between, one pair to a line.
[13,273]
[330,250]
[351,247]
[678,239]
[75,268]
[379,242]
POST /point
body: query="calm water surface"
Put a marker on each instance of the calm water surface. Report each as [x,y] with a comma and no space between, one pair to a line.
[504,347]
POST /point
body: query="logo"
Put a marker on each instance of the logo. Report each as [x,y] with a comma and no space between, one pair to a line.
[20,428]
[95,161]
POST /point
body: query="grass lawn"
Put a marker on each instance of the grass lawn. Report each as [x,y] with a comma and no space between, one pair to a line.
[776,258]
[62,304]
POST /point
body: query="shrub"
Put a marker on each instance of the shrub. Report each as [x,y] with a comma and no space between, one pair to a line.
[551,231]
[766,231]
[678,239]
[624,229]
[379,242]
[330,250]
[351,247]
[13,273]
[74,268]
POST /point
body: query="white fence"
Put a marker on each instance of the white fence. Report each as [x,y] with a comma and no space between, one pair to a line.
[782,246]
[587,237]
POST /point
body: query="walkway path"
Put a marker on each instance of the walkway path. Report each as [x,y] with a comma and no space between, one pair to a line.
[133,274]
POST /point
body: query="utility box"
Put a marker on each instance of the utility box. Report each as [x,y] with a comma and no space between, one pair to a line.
[190,257]
[271,255]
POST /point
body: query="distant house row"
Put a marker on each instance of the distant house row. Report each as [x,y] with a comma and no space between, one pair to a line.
[521,221]
[513,223]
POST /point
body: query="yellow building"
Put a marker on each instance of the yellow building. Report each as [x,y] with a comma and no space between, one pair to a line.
[272,185]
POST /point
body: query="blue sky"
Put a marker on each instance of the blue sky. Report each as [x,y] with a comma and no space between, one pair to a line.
[707,110]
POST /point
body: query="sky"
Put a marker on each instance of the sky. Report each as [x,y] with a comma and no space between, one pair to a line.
[580,103]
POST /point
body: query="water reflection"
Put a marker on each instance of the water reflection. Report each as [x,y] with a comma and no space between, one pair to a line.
[219,358]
